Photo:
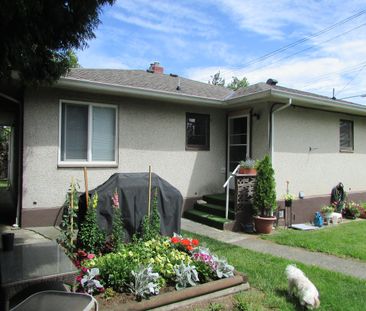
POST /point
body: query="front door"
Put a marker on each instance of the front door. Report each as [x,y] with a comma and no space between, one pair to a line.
[238,140]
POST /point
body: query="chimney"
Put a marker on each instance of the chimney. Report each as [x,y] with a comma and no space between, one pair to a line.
[272,82]
[156,68]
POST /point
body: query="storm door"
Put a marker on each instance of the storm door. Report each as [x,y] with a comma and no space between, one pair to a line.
[238,140]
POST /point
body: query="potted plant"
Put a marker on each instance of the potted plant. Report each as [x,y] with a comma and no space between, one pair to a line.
[362,209]
[289,197]
[351,210]
[264,198]
[327,211]
[248,167]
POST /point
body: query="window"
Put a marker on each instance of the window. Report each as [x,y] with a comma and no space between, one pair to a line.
[197,131]
[88,133]
[346,135]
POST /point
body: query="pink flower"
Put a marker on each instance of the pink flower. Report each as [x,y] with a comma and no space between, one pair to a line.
[85,270]
[115,200]
[78,278]
[90,256]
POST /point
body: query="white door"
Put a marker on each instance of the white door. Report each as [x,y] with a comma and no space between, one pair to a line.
[238,140]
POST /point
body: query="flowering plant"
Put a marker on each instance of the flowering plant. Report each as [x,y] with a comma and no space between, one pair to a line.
[184,243]
[82,256]
[89,282]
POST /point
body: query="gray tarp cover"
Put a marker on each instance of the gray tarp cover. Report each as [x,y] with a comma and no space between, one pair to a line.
[133,200]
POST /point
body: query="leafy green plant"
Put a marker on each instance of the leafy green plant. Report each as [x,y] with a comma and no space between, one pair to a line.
[213,306]
[264,198]
[248,163]
[91,238]
[351,210]
[69,220]
[327,209]
[151,223]
[145,282]
[223,269]
[186,275]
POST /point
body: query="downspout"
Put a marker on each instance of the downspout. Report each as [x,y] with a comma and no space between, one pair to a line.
[271,136]
[20,158]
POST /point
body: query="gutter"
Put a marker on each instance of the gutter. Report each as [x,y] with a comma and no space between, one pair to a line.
[86,85]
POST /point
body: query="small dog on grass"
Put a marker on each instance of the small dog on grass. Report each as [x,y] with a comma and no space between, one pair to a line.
[302,288]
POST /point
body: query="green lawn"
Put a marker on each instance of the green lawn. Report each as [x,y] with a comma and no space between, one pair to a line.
[266,274]
[343,240]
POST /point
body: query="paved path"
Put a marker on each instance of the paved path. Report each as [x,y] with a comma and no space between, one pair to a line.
[350,267]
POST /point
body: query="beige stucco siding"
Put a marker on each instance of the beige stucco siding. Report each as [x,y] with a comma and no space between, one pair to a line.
[306,152]
[260,145]
[149,133]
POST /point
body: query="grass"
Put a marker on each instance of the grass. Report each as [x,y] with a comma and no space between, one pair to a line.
[344,240]
[266,276]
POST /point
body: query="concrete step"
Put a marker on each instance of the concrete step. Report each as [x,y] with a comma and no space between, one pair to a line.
[206,218]
[217,210]
[219,199]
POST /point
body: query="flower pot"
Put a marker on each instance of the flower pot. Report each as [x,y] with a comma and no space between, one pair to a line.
[288,203]
[264,224]
[247,171]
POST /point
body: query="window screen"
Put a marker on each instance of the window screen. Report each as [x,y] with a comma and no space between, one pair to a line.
[197,131]
[346,135]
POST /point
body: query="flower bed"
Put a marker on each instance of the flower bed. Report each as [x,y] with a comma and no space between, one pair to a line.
[148,265]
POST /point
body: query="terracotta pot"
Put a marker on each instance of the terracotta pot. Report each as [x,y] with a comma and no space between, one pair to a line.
[248,171]
[264,224]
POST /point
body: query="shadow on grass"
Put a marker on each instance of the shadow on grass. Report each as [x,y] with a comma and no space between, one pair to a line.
[291,299]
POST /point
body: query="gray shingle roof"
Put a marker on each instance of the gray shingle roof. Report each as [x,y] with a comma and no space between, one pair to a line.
[152,81]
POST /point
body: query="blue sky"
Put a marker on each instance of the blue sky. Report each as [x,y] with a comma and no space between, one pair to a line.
[195,39]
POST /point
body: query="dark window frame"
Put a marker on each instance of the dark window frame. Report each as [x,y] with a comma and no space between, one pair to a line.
[352,139]
[200,117]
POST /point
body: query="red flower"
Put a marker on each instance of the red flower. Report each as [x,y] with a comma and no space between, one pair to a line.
[84,269]
[195,242]
[81,253]
[189,247]
[78,278]
[90,256]
[175,239]
[185,242]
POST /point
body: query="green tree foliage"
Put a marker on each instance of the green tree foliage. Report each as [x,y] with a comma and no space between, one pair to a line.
[91,238]
[73,59]
[264,198]
[37,36]
[237,83]
[216,79]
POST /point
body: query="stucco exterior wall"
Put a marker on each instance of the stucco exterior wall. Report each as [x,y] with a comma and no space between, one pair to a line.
[260,126]
[149,133]
[306,152]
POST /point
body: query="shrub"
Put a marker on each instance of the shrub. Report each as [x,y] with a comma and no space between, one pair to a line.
[264,198]
[91,238]
[351,210]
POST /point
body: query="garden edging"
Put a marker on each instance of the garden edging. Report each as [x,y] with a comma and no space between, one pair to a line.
[188,293]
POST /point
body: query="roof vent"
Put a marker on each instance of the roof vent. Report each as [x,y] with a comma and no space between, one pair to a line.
[155,68]
[272,82]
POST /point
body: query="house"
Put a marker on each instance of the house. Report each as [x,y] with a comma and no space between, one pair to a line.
[192,133]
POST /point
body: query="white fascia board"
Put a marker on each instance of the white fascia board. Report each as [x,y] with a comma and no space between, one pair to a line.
[318,103]
[115,89]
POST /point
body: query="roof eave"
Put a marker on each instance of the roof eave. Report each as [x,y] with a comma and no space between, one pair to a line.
[136,92]
[319,103]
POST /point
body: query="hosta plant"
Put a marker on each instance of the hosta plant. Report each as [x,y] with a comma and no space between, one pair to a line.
[185,276]
[145,282]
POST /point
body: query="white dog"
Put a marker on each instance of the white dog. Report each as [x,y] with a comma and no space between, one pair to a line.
[301,287]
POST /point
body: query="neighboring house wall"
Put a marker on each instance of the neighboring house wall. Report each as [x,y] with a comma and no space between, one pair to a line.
[316,171]
[149,133]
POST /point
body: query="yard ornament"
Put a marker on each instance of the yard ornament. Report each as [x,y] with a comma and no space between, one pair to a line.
[318,220]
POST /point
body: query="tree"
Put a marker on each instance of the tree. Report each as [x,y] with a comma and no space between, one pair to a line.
[73,59]
[237,83]
[217,80]
[37,36]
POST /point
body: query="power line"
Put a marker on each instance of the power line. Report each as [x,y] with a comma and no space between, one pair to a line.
[309,48]
[298,42]
[353,78]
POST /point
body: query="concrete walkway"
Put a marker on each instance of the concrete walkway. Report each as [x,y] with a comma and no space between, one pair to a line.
[350,267]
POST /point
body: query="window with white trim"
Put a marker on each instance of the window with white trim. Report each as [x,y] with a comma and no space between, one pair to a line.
[346,135]
[88,133]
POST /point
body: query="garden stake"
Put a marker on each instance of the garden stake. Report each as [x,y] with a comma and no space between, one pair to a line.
[72,208]
[149,195]
[86,187]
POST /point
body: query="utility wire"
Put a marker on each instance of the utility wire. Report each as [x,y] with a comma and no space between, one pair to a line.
[353,78]
[307,49]
[298,42]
